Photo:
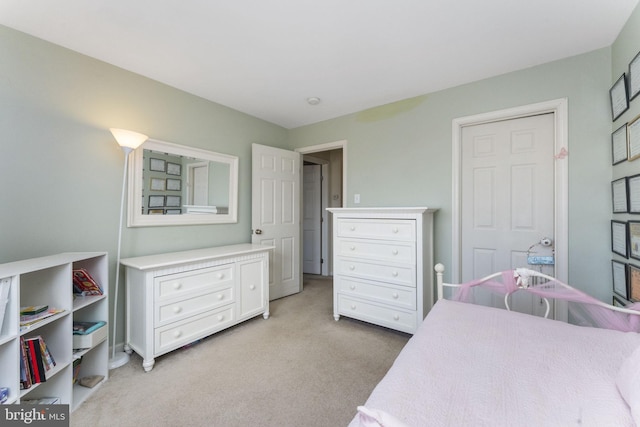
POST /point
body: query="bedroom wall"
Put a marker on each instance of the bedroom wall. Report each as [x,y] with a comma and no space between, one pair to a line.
[400,154]
[623,51]
[61,168]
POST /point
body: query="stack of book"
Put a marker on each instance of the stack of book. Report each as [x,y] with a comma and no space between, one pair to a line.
[36,360]
[84,284]
[35,313]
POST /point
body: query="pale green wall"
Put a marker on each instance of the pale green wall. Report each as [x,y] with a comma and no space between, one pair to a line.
[623,51]
[61,169]
[400,154]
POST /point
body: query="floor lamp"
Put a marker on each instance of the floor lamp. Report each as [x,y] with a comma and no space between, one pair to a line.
[128,141]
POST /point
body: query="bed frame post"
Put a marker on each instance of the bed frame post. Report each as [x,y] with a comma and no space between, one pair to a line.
[439,268]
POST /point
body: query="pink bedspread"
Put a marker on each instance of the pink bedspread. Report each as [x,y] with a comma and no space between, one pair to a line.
[470,365]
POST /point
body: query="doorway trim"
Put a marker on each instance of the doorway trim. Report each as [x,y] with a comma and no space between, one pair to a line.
[559,109]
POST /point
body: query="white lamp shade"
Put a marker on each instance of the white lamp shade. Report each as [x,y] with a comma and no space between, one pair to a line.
[128,139]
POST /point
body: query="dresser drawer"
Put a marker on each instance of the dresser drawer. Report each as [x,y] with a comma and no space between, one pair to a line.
[379,314]
[403,229]
[401,252]
[179,284]
[404,275]
[399,296]
[175,310]
[177,334]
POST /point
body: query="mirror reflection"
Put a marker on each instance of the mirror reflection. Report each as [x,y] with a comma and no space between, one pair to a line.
[175,185]
[171,184]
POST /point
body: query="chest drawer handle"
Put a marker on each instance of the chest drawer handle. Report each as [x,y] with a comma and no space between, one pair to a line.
[220,275]
[352,248]
[220,297]
[395,230]
[252,287]
[177,334]
[395,252]
[352,267]
[353,306]
[395,295]
[396,317]
[177,285]
[177,309]
[352,287]
[352,228]
[220,317]
[394,274]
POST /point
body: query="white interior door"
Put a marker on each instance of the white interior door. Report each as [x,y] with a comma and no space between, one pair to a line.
[275,215]
[507,198]
[312,219]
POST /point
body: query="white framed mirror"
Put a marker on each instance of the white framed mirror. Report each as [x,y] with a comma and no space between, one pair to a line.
[171,184]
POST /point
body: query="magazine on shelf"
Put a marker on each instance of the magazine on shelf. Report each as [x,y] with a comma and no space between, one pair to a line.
[26,324]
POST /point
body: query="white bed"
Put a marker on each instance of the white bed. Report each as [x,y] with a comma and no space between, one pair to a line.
[471,365]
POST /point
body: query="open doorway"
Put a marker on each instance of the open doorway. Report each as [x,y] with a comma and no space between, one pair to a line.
[323,186]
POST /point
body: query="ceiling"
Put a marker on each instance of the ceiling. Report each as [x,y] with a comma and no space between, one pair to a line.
[267,57]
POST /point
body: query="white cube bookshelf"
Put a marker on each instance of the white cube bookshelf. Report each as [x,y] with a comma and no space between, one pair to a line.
[48,281]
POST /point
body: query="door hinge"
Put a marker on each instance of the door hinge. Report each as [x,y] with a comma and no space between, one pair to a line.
[321,260]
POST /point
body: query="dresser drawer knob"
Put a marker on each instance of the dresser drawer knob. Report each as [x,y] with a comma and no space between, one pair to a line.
[352,248]
[220,317]
[220,275]
[252,287]
[395,252]
[352,287]
[353,306]
[352,228]
[177,334]
[395,230]
[352,267]
[395,295]
[177,285]
[220,297]
[394,274]
[396,317]
[177,309]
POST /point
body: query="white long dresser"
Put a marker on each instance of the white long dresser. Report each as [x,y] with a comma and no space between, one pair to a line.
[177,298]
[383,265]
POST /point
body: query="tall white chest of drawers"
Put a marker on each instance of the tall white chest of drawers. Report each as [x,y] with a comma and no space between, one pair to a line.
[176,298]
[383,265]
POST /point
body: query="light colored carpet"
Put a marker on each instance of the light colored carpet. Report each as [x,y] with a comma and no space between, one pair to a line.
[298,368]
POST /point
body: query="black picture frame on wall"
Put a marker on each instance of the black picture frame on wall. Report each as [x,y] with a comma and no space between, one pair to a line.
[619,276]
[619,145]
[634,77]
[618,97]
[619,199]
[619,238]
